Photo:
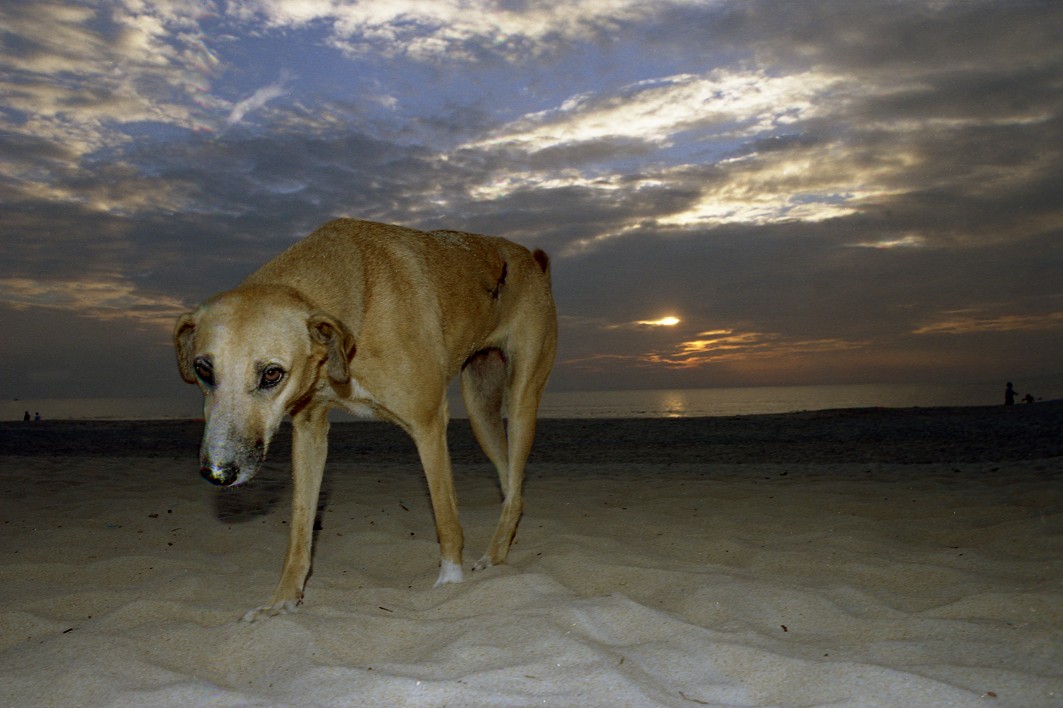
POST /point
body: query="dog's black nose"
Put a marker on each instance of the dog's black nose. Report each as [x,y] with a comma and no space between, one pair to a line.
[222,475]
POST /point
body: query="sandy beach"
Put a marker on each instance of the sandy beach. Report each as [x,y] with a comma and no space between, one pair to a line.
[869,557]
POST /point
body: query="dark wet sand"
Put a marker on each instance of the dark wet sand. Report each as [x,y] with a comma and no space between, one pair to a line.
[899,435]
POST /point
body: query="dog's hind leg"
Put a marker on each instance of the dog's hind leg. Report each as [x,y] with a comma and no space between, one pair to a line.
[431,440]
[309,450]
[527,378]
[483,387]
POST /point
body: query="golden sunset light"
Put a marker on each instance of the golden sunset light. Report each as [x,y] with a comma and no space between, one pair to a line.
[669,321]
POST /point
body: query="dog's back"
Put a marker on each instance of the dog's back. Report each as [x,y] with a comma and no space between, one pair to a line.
[468,282]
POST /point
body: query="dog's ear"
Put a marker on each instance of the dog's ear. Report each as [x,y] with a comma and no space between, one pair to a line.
[183,334]
[327,330]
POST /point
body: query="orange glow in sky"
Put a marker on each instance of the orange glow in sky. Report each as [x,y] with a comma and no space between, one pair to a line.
[663,322]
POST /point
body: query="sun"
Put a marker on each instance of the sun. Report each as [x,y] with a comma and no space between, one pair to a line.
[668,321]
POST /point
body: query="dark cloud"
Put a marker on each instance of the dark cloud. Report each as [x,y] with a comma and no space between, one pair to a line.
[52,353]
[888,41]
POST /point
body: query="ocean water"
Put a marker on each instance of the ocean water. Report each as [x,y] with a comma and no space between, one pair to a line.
[658,403]
[691,403]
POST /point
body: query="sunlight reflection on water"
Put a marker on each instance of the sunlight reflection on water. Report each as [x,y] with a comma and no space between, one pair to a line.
[655,403]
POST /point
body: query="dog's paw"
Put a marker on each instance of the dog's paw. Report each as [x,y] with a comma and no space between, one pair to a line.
[482,564]
[449,572]
[283,607]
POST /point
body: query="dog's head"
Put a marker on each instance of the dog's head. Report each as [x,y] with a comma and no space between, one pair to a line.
[257,353]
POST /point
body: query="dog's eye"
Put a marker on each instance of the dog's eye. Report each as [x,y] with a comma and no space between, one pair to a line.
[204,371]
[271,376]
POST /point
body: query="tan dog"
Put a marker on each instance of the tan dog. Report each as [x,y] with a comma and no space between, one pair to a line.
[375,319]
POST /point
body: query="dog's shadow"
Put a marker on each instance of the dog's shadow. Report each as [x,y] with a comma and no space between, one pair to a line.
[257,498]
[261,496]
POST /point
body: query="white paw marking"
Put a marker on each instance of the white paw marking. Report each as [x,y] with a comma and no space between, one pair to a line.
[449,573]
[285,607]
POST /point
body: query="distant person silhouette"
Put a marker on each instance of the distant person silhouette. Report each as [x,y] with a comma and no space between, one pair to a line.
[26,416]
[1009,395]
[1028,398]
[37,416]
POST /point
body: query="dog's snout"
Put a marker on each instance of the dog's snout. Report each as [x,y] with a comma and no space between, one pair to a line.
[222,475]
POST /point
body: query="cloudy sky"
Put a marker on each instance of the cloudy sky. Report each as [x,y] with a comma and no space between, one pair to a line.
[734,192]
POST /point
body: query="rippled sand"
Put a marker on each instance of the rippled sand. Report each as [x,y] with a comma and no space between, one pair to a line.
[867,557]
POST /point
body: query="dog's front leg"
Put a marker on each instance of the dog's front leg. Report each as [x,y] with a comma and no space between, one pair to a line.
[431,441]
[309,450]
